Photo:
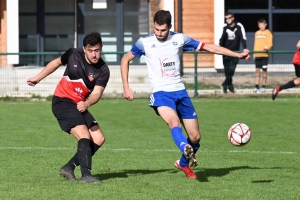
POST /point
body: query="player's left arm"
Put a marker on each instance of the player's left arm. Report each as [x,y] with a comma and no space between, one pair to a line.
[212,48]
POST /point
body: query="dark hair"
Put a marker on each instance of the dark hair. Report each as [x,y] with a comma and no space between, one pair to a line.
[92,39]
[229,13]
[163,17]
[262,20]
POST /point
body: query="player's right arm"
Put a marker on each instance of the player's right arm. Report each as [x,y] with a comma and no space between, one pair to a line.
[128,93]
[50,68]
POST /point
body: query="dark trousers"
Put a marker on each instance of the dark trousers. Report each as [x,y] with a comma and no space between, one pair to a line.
[229,69]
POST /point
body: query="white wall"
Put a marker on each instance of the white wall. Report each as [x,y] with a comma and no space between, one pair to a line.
[219,7]
[12,30]
[169,5]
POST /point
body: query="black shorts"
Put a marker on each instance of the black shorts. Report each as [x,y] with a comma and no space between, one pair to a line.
[297,70]
[262,63]
[67,115]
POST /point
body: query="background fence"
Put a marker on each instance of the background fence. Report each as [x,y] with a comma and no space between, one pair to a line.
[199,80]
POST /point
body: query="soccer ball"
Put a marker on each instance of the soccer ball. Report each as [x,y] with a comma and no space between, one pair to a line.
[239,134]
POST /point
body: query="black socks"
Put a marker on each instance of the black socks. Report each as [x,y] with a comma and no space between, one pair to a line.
[288,85]
[85,156]
[75,160]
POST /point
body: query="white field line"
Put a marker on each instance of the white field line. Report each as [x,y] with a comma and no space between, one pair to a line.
[147,150]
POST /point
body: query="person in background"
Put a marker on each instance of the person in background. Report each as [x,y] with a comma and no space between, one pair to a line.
[233,34]
[263,41]
[292,83]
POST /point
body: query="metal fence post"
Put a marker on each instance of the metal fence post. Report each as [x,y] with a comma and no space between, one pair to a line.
[196,74]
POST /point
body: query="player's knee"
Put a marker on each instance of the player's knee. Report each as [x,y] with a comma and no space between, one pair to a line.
[98,138]
[80,132]
[100,141]
[82,135]
[174,123]
[195,138]
[297,81]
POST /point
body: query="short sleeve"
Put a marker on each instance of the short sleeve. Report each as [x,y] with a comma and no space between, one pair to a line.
[138,48]
[102,80]
[65,57]
[190,44]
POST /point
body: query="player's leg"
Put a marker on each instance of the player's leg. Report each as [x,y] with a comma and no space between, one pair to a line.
[97,138]
[64,110]
[297,72]
[192,129]
[187,113]
[72,121]
[169,115]
[96,141]
[165,106]
[84,153]
[289,84]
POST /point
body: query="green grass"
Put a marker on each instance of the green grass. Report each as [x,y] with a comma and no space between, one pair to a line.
[136,162]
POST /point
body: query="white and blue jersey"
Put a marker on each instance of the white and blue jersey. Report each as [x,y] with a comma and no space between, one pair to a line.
[163,59]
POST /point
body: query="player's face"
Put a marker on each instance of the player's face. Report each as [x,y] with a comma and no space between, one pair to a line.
[229,19]
[262,26]
[161,31]
[92,53]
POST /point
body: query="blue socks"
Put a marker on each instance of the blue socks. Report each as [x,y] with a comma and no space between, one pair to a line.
[180,142]
[179,138]
[183,161]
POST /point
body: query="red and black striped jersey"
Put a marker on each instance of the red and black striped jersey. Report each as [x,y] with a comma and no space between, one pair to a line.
[80,77]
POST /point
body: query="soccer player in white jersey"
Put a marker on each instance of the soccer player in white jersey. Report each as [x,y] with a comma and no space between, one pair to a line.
[169,98]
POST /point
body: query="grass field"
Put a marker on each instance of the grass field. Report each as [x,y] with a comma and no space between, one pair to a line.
[136,162]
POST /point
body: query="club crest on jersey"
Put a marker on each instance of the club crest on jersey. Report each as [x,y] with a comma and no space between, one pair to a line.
[91,76]
[175,43]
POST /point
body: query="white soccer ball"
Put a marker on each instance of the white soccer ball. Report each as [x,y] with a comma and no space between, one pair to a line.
[239,134]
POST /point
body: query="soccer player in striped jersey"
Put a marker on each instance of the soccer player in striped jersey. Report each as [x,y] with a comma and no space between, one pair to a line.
[81,86]
[169,98]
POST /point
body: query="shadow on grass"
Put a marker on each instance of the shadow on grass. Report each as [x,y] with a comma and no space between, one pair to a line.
[127,173]
[262,181]
[204,174]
